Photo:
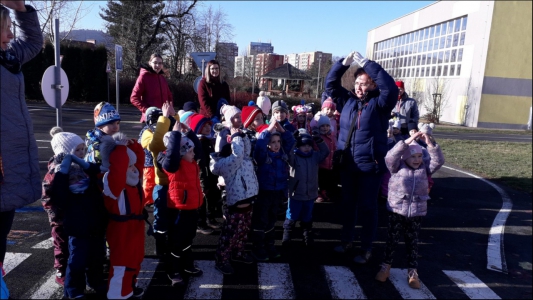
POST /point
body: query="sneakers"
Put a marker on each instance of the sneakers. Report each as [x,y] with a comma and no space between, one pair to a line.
[260,254]
[224,268]
[204,229]
[273,252]
[244,258]
[286,237]
[176,279]
[213,223]
[193,271]
[137,293]
[363,258]
[60,277]
[383,273]
[414,282]
[344,247]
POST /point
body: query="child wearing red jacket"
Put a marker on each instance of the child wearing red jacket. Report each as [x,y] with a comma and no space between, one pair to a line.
[123,159]
[185,197]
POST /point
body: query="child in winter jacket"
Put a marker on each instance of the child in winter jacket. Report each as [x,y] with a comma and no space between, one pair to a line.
[303,184]
[327,180]
[407,201]
[232,119]
[185,197]
[123,160]
[280,113]
[237,169]
[300,117]
[328,108]
[271,155]
[66,143]
[159,122]
[74,202]
[106,122]
[201,125]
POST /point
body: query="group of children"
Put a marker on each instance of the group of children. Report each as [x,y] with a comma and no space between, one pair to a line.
[185,166]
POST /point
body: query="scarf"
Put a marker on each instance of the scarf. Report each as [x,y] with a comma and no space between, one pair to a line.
[10,62]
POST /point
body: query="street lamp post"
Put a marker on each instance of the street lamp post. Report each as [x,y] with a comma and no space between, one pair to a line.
[318,78]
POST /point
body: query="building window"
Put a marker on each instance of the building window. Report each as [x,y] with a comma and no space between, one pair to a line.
[437,30]
[422,72]
[447,56]
[439,69]
[452,70]
[448,41]
[431,32]
[462,39]
[445,71]
[441,56]
[417,72]
[433,71]
[423,59]
[458,72]
[464,20]
[453,57]
[460,55]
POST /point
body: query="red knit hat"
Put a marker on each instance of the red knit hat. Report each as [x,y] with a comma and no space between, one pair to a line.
[329,103]
[248,115]
[197,122]
[399,84]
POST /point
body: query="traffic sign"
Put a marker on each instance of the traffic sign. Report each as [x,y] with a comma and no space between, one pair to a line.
[118,58]
[48,87]
[108,68]
[205,56]
[197,83]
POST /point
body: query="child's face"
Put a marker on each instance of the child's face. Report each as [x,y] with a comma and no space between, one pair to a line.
[309,116]
[412,131]
[131,168]
[236,121]
[206,130]
[280,115]
[414,161]
[258,120]
[189,156]
[395,130]
[328,111]
[80,151]
[275,143]
[111,128]
[305,148]
[324,129]
[301,118]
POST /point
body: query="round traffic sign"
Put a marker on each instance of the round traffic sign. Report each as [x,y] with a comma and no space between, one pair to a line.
[196,83]
[47,86]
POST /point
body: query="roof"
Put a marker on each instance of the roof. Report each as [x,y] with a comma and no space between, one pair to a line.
[287,71]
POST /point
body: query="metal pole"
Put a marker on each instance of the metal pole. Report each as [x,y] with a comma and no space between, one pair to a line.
[116,71]
[318,79]
[203,67]
[57,74]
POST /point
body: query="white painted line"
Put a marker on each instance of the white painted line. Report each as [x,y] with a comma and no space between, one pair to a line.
[207,286]
[46,244]
[342,283]
[43,147]
[275,281]
[12,260]
[146,274]
[48,289]
[495,248]
[44,141]
[80,121]
[398,277]
[472,286]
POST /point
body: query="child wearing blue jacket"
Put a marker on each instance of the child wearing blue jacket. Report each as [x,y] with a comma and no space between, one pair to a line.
[271,155]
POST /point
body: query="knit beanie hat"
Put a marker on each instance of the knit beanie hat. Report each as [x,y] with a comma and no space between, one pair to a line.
[105,113]
[190,106]
[186,145]
[414,148]
[329,103]
[184,118]
[426,128]
[280,105]
[251,103]
[400,84]
[221,102]
[300,109]
[320,119]
[197,122]
[152,115]
[64,142]
[304,138]
[311,107]
[248,115]
[397,124]
[229,111]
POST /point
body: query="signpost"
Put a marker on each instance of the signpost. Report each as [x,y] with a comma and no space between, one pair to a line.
[118,67]
[107,71]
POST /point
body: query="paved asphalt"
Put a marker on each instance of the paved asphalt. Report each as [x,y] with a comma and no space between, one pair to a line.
[454,237]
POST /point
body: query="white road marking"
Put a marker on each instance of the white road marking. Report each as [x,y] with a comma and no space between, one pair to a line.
[275,281]
[48,289]
[495,248]
[342,283]
[46,244]
[148,267]
[44,141]
[207,286]
[12,260]
[472,286]
[398,277]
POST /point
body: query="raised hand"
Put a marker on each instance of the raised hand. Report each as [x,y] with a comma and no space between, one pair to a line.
[349,59]
[359,59]
[412,138]
[166,109]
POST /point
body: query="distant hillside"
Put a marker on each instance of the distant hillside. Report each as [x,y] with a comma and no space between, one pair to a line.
[88,34]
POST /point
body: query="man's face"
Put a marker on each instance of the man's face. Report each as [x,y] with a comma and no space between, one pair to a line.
[401,91]
[362,85]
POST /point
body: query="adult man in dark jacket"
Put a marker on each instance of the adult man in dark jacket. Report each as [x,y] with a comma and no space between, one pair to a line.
[405,110]
[370,104]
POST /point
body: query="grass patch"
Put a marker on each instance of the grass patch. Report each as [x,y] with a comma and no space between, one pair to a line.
[504,162]
[461,129]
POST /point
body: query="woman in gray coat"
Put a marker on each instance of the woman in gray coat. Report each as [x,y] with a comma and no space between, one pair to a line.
[20,181]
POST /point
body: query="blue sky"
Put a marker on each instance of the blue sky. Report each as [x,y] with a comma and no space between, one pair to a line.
[336,27]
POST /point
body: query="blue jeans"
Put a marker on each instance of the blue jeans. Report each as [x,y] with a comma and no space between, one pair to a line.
[359,195]
[160,208]
[85,266]
[300,210]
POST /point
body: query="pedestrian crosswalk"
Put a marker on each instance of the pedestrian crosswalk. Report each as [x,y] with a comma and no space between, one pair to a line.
[274,281]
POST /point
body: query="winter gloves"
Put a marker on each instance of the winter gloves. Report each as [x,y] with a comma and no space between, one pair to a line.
[83,164]
[64,167]
[355,57]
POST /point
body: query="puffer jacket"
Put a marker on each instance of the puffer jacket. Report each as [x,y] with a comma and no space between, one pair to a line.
[208,96]
[273,167]
[21,181]
[303,176]
[407,110]
[151,89]
[368,145]
[408,188]
[237,170]
[331,142]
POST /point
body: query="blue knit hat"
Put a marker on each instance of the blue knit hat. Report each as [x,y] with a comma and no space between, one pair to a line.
[105,113]
[251,103]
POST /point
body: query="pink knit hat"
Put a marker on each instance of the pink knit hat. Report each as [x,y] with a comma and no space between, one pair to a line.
[329,103]
[414,148]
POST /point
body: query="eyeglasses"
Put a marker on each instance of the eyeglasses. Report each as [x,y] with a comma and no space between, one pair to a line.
[362,85]
[157,63]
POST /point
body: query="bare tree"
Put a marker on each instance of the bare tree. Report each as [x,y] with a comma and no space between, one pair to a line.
[436,98]
[68,12]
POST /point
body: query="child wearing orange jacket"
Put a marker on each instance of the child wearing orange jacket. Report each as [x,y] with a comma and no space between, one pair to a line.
[123,159]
